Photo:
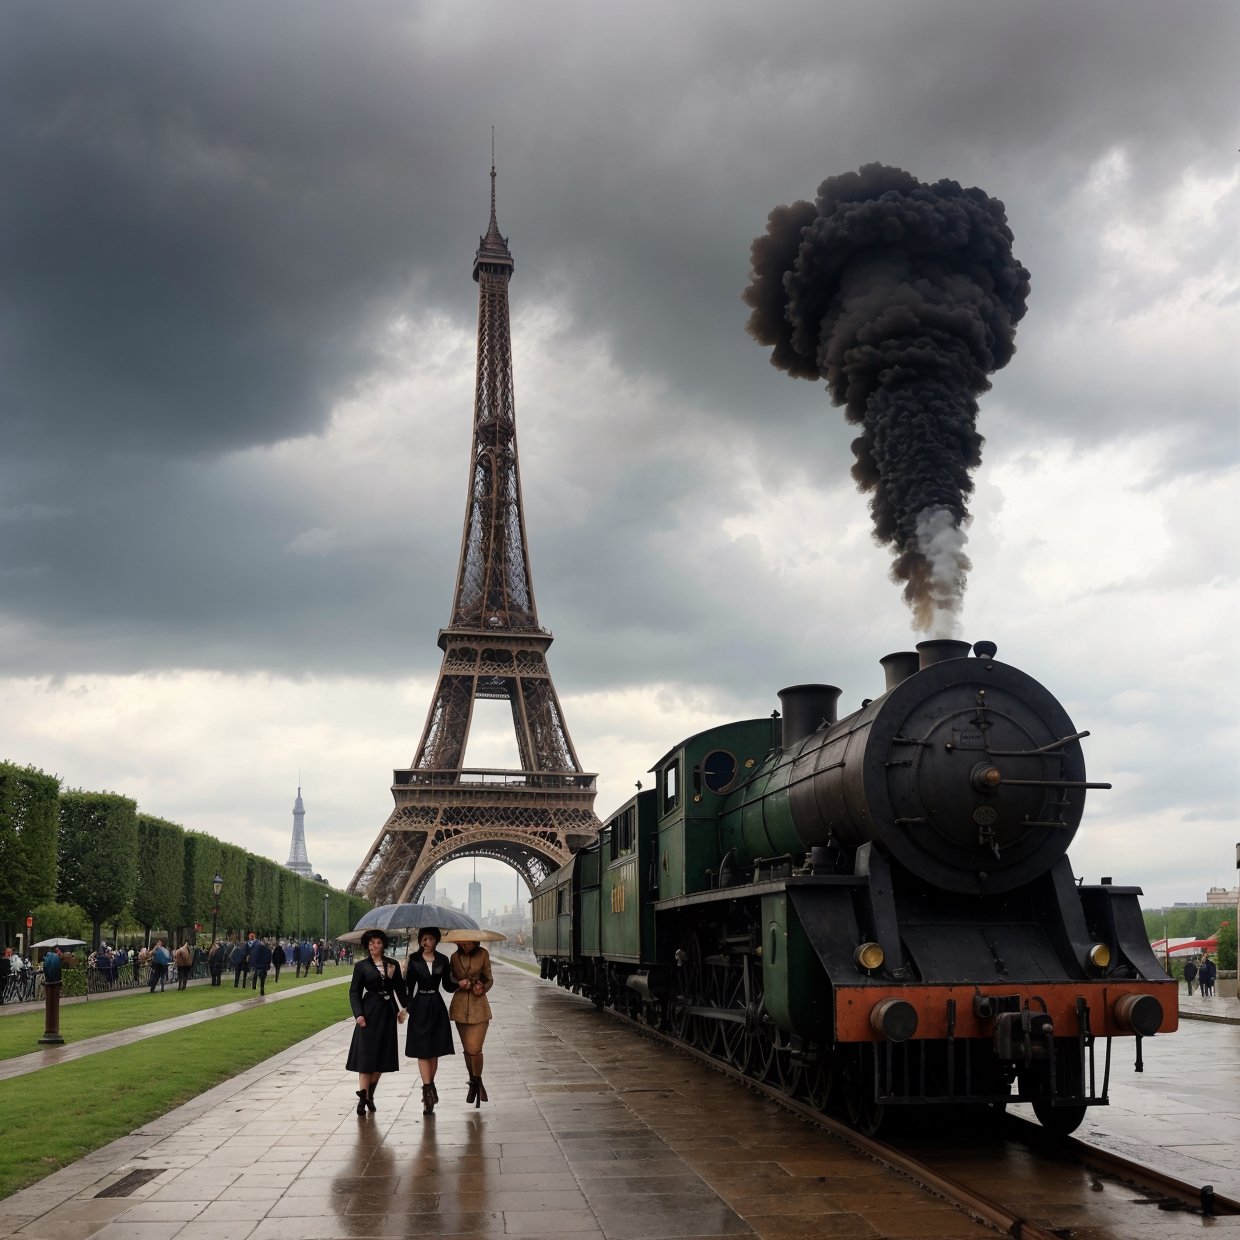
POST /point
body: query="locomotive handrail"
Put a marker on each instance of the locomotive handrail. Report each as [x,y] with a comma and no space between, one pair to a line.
[1029,753]
[1053,783]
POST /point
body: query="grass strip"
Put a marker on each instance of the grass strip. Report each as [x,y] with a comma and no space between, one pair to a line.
[20,1034]
[53,1117]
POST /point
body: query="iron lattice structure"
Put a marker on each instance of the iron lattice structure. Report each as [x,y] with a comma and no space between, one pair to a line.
[298,861]
[533,818]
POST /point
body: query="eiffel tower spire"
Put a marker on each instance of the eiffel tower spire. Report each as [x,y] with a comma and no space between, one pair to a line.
[533,817]
[298,861]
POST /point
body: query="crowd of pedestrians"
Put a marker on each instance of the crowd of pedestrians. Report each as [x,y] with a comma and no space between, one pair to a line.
[252,960]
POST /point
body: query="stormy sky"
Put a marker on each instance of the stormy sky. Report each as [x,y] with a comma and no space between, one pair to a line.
[237,334]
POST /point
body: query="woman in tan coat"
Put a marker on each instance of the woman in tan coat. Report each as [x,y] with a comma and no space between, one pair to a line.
[470,1010]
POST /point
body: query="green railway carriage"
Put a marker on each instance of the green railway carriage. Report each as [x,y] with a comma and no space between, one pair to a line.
[873,911]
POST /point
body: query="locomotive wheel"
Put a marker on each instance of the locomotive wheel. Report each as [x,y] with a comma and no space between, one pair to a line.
[735,1041]
[816,1083]
[689,1028]
[857,1092]
[1059,1120]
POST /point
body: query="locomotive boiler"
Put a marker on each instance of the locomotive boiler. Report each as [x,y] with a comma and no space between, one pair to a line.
[875,911]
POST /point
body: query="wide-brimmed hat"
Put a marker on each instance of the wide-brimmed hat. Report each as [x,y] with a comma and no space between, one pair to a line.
[429,930]
[374,934]
[474,936]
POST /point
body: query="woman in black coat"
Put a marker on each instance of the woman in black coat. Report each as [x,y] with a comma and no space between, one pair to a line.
[373,993]
[429,1034]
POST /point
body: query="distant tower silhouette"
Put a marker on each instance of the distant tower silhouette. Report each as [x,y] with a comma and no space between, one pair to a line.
[297,861]
[533,818]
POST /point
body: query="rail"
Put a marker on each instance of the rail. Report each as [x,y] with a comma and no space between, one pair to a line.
[476,777]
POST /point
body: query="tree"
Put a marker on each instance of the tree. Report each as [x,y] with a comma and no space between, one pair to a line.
[98,853]
[263,882]
[234,899]
[201,865]
[161,865]
[29,825]
[59,921]
[290,892]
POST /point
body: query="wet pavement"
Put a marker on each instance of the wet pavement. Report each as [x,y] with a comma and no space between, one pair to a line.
[592,1131]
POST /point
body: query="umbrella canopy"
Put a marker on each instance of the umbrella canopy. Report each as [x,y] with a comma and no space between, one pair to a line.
[474,936]
[410,917]
[403,921]
[60,943]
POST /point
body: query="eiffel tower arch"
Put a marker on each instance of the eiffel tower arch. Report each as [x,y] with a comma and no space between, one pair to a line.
[535,817]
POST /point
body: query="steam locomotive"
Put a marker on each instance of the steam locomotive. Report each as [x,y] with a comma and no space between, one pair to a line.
[874,912]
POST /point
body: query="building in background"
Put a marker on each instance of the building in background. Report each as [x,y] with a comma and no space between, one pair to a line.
[475,900]
[297,861]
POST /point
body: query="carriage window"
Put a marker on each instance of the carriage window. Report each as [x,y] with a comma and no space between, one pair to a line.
[560,901]
[671,787]
[613,842]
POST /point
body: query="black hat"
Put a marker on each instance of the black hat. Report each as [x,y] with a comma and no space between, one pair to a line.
[374,934]
[429,930]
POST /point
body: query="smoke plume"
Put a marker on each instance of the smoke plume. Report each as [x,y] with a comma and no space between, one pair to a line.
[904,297]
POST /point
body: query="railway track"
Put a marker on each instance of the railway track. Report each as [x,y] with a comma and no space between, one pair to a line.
[1121,1198]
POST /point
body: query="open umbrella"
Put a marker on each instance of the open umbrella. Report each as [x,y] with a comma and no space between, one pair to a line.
[60,943]
[403,921]
[474,936]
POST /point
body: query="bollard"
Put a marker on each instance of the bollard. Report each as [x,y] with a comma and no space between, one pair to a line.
[51,1001]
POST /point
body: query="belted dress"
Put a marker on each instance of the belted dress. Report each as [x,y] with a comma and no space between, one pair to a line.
[373,994]
[428,1033]
[468,1008]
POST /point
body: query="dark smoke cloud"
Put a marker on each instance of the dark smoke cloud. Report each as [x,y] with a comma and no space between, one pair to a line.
[904,297]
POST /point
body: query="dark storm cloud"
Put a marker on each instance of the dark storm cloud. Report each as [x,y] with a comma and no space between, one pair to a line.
[207,218]
[210,211]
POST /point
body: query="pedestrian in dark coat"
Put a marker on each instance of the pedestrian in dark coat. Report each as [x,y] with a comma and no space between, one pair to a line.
[373,993]
[430,1032]
[1207,973]
[260,962]
[215,961]
[237,959]
[278,959]
[1190,974]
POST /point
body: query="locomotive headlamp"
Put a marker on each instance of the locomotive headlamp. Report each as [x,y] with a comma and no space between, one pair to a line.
[868,956]
[1100,955]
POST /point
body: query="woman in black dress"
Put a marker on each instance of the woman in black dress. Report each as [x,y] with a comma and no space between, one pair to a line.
[376,986]
[429,1034]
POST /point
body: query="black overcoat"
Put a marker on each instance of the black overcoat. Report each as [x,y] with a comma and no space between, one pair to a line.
[373,994]
[429,1034]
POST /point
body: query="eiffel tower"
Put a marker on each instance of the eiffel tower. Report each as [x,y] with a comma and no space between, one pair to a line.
[536,817]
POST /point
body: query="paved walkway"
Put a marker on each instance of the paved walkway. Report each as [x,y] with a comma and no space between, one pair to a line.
[592,1133]
[48,1056]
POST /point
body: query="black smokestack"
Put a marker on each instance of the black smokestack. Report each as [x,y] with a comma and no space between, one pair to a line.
[904,297]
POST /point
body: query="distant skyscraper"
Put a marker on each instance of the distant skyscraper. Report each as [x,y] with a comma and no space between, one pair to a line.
[297,861]
[475,900]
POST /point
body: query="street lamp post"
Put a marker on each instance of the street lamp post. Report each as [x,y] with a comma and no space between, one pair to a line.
[326,897]
[217,885]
